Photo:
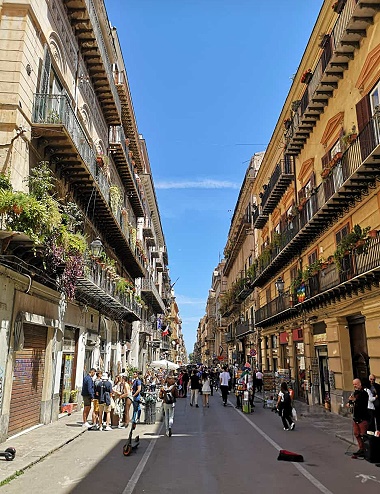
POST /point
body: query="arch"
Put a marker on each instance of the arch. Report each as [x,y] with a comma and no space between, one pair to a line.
[85,112]
[56,49]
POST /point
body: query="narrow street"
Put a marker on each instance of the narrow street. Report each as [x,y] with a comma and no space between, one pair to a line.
[212,450]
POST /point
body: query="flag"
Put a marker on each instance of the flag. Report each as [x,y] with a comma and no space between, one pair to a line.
[165,332]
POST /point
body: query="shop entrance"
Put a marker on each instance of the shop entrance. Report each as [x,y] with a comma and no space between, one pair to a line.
[68,368]
[324,389]
[28,377]
[359,349]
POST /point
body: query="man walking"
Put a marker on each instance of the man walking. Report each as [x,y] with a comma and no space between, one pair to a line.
[136,395]
[224,382]
[88,395]
[185,383]
[359,400]
[259,381]
[103,393]
[194,386]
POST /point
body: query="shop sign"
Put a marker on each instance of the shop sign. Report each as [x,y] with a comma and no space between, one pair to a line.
[284,338]
[320,339]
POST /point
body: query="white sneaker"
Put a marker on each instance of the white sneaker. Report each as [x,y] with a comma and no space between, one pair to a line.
[86,424]
[108,428]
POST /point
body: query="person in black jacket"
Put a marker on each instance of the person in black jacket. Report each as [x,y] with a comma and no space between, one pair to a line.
[375,388]
[359,401]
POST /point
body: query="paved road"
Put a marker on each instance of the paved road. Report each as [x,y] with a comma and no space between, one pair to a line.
[212,450]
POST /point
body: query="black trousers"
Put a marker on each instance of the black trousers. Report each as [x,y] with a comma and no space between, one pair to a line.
[286,417]
[224,390]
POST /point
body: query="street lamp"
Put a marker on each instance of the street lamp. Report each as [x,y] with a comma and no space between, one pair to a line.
[96,247]
[280,285]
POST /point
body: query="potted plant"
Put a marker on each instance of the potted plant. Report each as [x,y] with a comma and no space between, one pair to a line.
[338,6]
[115,198]
[351,242]
[287,123]
[350,137]
[306,76]
[325,172]
[372,234]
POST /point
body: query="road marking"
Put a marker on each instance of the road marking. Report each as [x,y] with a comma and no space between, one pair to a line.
[364,478]
[299,467]
[140,467]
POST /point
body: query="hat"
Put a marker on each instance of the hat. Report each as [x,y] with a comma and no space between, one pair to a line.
[104,376]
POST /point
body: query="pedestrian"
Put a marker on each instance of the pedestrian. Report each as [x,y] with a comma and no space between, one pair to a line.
[206,389]
[284,407]
[88,395]
[371,406]
[194,386]
[259,381]
[103,393]
[359,401]
[375,388]
[224,379]
[185,382]
[136,395]
[95,402]
[168,394]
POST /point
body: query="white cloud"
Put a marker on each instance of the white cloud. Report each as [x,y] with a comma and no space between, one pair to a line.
[197,184]
[183,300]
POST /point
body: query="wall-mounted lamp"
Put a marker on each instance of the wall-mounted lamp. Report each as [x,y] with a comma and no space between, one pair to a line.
[96,247]
[280,285]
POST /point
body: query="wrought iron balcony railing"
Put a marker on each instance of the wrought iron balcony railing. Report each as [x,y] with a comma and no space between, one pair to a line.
[351,177]
[97,289]
[280,180]
[243,329]
[150,292]
[359,271]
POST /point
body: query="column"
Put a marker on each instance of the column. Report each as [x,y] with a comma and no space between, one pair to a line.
[372,326]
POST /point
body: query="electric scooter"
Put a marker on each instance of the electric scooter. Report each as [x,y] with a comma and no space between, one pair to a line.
[132,444]
[9,454]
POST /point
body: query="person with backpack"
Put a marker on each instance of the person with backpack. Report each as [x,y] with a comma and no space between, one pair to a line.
[168,394]
[103,393]
[284,407]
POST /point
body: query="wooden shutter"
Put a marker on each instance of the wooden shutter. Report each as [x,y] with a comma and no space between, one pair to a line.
[325,160]
[366,131]
[45,72]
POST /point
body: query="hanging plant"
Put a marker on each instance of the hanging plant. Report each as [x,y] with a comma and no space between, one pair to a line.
[115,198]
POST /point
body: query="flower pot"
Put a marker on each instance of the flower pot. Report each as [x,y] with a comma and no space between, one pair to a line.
[306,77]
[372,233]
[17,209]
[325,172]
[360,243]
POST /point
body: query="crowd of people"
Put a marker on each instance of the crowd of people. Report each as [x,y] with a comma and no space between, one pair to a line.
[122,397]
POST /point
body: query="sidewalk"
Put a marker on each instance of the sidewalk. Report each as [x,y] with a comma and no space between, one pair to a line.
[33,446]
[322,419]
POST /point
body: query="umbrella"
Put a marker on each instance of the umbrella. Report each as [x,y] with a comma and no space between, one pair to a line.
[164,364]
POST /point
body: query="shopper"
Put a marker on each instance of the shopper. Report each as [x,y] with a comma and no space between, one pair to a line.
[88,395]
[259,381]
[284,407]
[194,387]
[168,394]
[185,382]
[206,389]
[359,401]
[103,393]
[224,379]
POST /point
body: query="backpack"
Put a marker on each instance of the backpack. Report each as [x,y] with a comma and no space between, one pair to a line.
[287,400]
[104,395]
[168,398]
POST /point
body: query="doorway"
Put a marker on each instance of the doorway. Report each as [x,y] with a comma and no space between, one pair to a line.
[359,348]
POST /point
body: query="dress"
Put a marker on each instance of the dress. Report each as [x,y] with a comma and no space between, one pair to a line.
[206,388]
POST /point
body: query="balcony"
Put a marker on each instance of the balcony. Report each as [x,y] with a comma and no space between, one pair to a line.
[120,155]
[359,273]
[280,180]
[351,178]
[338,50]
[241,230]
[98,290]
[152,296]
[244,329]
[128,116]
[148,229]
[259,218]
[228,337]
[85,24]
[66,144]
[146,328]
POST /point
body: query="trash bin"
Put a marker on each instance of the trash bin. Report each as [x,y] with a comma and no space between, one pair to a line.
[150,413]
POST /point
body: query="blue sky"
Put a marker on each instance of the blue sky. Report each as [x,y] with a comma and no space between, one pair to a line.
[208,80]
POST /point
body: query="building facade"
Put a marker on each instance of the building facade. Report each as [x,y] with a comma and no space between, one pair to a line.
[314,277]
[83,261]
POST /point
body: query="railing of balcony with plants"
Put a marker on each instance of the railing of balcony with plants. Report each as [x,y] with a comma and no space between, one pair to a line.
[103,51]
[117,136]
[283,167]
[148,285]
[316,75]
[243,328]
[353,257]
[104,276]
[342,170]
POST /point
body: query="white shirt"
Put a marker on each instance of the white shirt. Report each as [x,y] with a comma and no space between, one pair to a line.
[224,378]
[259,375]
[371,399]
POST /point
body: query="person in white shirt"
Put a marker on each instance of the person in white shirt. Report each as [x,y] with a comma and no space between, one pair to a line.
[224,382]
[259,381]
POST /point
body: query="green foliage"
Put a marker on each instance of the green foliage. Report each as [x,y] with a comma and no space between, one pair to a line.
[41,181]
[356,240]
[5,181]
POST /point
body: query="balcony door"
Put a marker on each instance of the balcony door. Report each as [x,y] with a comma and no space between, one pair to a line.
[359,349]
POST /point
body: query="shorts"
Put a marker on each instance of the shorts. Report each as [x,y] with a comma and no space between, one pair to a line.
[96,405]
[87,401]
[104,408]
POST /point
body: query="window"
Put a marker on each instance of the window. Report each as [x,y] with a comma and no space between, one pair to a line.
[274,341]
[312,257]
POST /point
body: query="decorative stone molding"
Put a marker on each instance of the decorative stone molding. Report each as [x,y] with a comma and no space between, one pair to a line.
[332,129]
[305,170]
[370,72]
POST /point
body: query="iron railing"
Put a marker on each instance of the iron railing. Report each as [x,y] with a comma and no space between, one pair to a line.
[283,167]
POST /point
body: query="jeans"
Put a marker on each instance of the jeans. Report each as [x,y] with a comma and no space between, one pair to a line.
[359,431]
[136,409]
[224,390]
[169,416]
[194,396]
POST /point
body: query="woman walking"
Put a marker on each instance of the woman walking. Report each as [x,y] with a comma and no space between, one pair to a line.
[168,394]
[206,389]
[284,407]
